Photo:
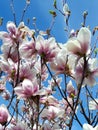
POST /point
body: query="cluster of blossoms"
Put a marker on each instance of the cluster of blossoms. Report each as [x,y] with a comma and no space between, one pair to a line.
[32,65]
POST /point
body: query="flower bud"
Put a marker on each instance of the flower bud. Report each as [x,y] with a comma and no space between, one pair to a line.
[3,114]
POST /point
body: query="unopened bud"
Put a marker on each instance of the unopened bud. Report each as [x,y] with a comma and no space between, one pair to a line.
[34,18]
[85,13]
[28,1]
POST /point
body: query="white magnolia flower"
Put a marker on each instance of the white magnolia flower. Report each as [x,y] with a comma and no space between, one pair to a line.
[89,127]
[80,45]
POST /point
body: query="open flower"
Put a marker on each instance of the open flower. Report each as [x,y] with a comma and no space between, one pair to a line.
[63,63]
[49,100]
[3,115]
[80,45]
[13,35]
[89,127]
[26,71]
[91,72]
[27,49]
[52,112]
[27,89]
[9,67]
[47,49]
[19,126]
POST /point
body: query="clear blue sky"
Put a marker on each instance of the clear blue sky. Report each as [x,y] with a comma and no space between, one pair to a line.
[40,10]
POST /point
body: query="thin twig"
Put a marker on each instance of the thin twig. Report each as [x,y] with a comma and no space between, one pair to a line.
[13,11]
[24,11]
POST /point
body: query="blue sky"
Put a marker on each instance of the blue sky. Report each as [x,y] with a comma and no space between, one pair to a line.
[40,10]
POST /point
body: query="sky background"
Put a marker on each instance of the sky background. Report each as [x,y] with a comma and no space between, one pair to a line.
[40,10]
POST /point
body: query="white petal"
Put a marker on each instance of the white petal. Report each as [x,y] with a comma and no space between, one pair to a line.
[84,35]
[26,83]
[87,127]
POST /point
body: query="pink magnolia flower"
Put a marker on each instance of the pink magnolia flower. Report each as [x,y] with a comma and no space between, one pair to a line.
[9,67]
[93,105]
[3,115]
[13,35]
[52,82]
[89,127]
[63,63]
[19,126]
[45,91]
[27,89]
[65,105]
[9,52]
[52,112]
[26,70]
[80,45]
[41,70]
[46,48]
[27,49]
[49,100]
[91,72]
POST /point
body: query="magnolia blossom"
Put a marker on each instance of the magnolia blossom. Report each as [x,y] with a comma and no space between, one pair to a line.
[26,70]
[9,52]
[91,72]
[45,91]
[9,67]
[27,49]
[52,112]
[46,48]
[41,70]
[66,106]
[19,126]
[63,63]
[53,84]
[27,89]
[49,100]
[13,35]
[3,114]
[89,127]
[80,45]
[93,104]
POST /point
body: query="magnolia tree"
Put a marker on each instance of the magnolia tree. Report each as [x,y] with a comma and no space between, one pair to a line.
[47,85]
